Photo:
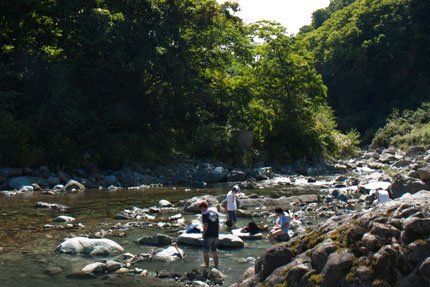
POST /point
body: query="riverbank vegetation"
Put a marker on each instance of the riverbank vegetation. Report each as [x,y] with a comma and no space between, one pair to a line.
[147,80]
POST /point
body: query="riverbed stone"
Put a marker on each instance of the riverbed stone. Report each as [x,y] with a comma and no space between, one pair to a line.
[74,186]
[424,173]
[402,185]
[91,246]
[224,240]
[157,239]
[64,218]
[52,270]
[236,175]
[96,268]
[336,268]
[169,254]
[164,203]
[192,205]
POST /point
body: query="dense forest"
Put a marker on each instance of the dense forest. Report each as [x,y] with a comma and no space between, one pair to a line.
[149,80]
[374,56]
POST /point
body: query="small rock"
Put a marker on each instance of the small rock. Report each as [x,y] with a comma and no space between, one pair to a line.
[53,270]
[64,218]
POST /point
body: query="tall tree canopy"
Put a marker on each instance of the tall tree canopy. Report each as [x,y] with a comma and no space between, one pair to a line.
[141,80]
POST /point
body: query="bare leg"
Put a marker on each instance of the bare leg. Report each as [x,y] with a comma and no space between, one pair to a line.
[215,256]
[206,258]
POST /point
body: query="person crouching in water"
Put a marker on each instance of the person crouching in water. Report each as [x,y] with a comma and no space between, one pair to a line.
[210,220]
[280,231]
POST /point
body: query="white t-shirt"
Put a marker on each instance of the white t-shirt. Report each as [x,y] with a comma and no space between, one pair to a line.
[383,196]
[231,201]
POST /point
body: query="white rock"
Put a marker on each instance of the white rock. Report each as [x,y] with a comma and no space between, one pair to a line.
[64,218]
[164,203]
[169,254]
[84,245]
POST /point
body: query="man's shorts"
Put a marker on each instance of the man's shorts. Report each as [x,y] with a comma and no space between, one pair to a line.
[210,244]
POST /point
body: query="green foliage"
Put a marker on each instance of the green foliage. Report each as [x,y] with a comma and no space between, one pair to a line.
[407,129]
[373,57]
[141,80]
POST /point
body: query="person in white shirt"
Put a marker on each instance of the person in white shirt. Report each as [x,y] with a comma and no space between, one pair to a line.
[231,205]
[382,196]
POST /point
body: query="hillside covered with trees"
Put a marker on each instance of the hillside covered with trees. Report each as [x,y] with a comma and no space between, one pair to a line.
[373,56]
[147,80]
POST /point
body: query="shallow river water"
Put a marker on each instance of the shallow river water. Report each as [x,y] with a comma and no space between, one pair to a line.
[29,248]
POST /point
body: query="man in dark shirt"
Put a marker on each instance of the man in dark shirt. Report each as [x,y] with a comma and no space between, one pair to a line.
[210,233]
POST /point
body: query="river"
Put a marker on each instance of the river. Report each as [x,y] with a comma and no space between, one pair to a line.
[29,248]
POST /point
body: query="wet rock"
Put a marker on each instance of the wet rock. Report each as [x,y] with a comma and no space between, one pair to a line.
[96,268]
[158,240]
[81,275]
[74,186]
[26,188]
[64,218]
[192,205]
[54,206]
[169,254]
[84,245]
[113,266]
[59,188]
[36,187]
[53,270]
[224,240]
[236,175]
[164,203]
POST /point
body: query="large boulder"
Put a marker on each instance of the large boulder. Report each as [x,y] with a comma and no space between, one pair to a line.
[192,205]
[91,246]
[387,245]
[402,185]
[236,175]
[224,240]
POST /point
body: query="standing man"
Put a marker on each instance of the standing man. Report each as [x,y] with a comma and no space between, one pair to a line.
[280,231]
[210,233]
[231,204]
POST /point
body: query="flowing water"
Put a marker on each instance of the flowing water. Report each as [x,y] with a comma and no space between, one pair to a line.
[29,248]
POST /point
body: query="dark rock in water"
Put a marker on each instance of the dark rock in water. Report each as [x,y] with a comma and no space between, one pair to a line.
[81,275]
[158,240]
[167,274]
[53,206]
[388,245]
